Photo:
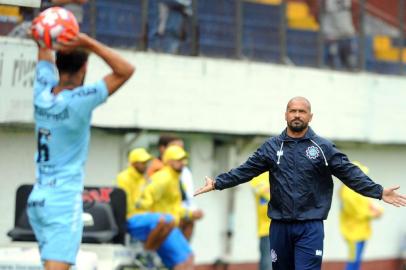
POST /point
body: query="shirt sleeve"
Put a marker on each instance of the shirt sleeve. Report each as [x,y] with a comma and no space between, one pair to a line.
[46,76]
[351,175]
[86,98]
[256,164]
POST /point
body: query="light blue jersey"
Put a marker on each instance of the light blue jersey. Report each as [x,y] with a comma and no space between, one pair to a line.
[63,128]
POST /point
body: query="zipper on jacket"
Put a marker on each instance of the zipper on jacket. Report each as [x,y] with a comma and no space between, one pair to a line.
[294,191]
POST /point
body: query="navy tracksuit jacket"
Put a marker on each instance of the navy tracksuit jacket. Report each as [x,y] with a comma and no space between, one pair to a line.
[300,175]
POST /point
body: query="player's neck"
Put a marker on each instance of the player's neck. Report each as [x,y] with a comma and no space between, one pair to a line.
[67,82]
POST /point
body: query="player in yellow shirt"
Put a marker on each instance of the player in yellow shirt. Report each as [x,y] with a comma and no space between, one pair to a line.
[186,178]
[260,187]
[151,228]
[356,214]
[163,195]
[132,180]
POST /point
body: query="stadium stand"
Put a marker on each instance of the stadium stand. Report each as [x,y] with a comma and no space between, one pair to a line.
[261,31]
[299,16]
[118,23]
[217,28]
[268,29]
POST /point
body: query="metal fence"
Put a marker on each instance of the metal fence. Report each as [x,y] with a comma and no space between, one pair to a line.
[275,32]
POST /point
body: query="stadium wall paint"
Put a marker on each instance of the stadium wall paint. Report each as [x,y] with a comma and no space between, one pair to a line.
[222,96]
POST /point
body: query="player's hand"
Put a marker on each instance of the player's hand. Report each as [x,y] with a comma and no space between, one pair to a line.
[209,186]
[69,43]
[197,214]
[376,210]
[30,35]
[390,196]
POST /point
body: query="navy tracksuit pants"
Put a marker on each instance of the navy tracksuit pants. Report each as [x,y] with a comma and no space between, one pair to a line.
[296,245]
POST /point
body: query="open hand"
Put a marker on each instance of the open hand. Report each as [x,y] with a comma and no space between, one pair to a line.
[392,197]
[209,186]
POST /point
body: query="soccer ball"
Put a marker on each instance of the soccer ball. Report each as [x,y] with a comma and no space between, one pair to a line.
[54,25]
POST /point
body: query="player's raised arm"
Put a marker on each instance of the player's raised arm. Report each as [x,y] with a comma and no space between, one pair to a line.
[45,54]
[121,68]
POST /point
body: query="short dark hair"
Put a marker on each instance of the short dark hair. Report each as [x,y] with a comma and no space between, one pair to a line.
[71,62]
[166,139]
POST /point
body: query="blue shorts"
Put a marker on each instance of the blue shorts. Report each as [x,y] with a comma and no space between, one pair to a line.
[296,245]
[56,218]
[139,226]
[174,250]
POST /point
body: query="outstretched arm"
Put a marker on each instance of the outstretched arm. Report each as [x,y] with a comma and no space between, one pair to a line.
[209,186]
[121,68]
[390,196]
[256,164]
[358,181]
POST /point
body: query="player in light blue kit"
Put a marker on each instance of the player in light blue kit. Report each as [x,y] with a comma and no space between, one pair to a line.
[62,111]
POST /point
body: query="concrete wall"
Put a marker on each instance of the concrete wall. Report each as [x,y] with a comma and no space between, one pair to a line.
[222,96]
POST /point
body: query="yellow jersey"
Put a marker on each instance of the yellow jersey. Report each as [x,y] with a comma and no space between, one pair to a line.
[163,195]
[132,182]
[260,186]
[355,215]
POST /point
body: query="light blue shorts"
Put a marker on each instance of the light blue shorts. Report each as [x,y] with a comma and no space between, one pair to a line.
[56,218]
[174,250]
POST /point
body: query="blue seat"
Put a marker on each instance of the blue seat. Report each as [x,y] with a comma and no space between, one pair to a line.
[378,66]
[118,23]
[255,14]
[302,47]
[261,33]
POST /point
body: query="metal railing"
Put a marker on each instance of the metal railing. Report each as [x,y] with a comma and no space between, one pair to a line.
[243,29]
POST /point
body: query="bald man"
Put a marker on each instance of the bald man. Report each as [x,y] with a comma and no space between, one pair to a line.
[301,165]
